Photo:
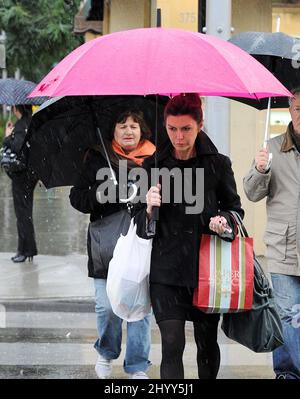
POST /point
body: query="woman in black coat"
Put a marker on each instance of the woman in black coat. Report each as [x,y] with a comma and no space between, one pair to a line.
[23,185]
[128,142]
[175,252]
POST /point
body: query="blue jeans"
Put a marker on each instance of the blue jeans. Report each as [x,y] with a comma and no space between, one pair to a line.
[109,328]
[286,358]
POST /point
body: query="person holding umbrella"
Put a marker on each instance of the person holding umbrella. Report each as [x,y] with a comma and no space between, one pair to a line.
[23,185]
[128,141]
[175,251]
[279,183]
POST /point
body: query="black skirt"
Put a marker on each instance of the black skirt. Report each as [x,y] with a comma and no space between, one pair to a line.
[176,303]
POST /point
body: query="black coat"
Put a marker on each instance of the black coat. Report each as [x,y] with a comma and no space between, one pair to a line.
[175,252]
[83,198]
[23,185]
[15,141]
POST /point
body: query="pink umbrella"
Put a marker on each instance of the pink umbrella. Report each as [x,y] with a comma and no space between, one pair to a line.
[160,61]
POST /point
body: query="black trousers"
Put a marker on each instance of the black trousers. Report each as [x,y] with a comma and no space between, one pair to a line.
[23,185]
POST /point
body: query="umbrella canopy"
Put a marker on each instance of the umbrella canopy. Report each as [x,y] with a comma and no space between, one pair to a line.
[135,62]
[278,53]
[276,44]
[159,61]
[63,128]
[14,92]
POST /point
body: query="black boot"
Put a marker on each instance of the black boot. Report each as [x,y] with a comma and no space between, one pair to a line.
[19,258]
[13,257]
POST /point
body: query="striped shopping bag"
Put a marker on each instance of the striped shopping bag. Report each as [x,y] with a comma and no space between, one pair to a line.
[225,282]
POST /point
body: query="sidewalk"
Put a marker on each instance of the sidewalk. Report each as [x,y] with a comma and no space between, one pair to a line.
[47,277]
[48,326]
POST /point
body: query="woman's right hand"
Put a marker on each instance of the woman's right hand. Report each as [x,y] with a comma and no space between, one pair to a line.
[153,198]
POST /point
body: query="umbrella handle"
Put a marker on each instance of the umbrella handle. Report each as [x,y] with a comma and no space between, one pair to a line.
[133,195]
[269,161]
[155,213]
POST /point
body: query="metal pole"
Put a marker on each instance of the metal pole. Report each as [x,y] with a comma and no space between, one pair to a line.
[4,107]
[278,24]
[267,126]
[217,109]
[3,63]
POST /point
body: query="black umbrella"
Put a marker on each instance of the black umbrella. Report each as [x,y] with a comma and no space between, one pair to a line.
[63,128]
[279,53]
[14,92]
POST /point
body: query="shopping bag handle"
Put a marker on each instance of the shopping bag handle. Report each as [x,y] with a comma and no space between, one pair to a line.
[237,218]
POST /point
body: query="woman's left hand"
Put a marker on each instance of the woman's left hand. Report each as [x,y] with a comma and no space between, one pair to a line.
[9,128]
[218,224]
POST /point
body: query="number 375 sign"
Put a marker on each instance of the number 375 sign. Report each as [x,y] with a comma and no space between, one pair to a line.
[179,14]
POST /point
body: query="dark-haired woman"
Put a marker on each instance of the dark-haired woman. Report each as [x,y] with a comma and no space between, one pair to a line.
[23,185]
[128,142]
[175,252]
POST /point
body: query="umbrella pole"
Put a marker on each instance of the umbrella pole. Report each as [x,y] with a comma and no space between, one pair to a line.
[267,128]
[9,114]
[155,210]
[267,123]
[278,24]
[113,176]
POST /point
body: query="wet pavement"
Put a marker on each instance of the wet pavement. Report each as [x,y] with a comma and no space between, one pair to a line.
[47,319]
[59,228]
[48,339]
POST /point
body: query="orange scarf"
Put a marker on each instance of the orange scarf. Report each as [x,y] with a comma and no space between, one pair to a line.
[144,149]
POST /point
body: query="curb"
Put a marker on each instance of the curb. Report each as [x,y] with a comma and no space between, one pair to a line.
[75,305]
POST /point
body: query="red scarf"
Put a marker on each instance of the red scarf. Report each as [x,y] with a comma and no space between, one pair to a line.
[144,149]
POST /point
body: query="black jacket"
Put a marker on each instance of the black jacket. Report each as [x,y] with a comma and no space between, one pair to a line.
[83,198]
[175,252]
[15,141]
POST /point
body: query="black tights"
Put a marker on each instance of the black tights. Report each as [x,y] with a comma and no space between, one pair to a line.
[173,343]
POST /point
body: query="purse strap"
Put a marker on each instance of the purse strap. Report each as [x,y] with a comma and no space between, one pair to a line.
[262,281]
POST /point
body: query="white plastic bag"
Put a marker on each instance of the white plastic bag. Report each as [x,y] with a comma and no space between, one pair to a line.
[128,276]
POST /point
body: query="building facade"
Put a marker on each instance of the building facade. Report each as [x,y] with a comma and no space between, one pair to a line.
[246,124]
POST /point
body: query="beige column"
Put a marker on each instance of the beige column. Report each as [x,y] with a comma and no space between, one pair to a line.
[247,124]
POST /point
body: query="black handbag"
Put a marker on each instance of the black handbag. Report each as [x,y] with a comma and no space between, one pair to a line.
[258,329]
[11,162]
[104,234]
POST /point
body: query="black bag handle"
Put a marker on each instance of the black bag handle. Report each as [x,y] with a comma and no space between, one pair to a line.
[262,281]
